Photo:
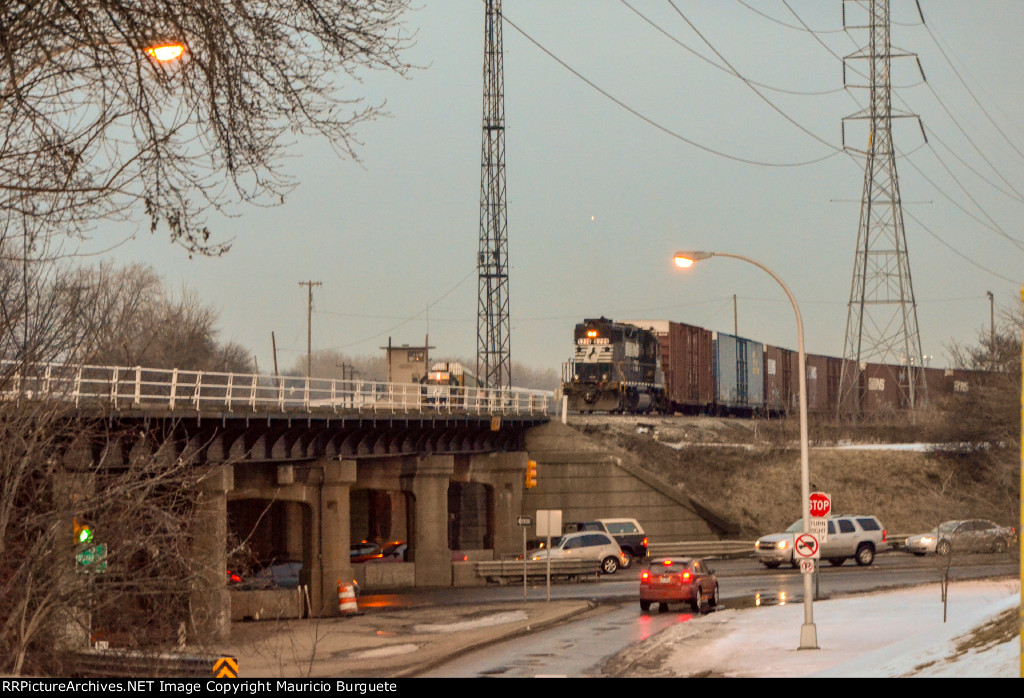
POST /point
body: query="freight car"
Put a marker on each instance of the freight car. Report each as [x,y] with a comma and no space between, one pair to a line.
[686,352]
[739,375]
[616,367]
[709,372]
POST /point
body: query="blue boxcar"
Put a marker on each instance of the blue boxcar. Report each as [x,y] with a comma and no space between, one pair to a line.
[739,374]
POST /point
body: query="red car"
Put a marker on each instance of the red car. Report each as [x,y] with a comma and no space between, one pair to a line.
[676,579]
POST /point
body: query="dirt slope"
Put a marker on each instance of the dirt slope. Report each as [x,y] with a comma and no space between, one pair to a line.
[749,472]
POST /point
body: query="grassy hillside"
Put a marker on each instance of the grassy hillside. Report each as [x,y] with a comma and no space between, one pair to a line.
[749,470]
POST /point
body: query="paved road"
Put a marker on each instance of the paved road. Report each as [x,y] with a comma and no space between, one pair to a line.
[411,632]
[582,646]
[743,581]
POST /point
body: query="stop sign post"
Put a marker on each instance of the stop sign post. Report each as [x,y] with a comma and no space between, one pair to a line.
[821,507]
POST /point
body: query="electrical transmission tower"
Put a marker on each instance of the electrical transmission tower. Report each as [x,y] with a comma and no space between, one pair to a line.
[493,356]
[881,325]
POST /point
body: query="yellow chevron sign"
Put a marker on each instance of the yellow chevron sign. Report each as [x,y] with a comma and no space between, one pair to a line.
[225,668]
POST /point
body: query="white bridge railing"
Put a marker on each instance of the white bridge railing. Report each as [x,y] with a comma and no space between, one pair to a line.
[136,387]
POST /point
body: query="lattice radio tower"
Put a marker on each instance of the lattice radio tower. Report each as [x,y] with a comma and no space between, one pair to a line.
[881,325]
[493,356]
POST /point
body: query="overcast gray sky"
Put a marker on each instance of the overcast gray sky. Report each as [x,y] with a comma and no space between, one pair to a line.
[599,196]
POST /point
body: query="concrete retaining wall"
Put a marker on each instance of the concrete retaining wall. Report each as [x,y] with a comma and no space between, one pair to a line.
[583,479]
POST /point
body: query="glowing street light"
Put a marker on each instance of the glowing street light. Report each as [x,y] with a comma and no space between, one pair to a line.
[166,52]
[685,260]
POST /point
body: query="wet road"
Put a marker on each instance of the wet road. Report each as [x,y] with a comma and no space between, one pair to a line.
[582,646]
[743,582]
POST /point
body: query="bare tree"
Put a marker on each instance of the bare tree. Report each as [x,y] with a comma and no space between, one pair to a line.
[60,467]
[989,412]
[62,473]
[93,127]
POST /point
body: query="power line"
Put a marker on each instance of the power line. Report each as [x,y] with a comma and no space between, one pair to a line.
[722,68]
[652,122]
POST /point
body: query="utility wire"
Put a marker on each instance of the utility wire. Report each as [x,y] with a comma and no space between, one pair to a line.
[723,68]
[413,317]
[955,251]
[970,91]
[767,101]
[654,123]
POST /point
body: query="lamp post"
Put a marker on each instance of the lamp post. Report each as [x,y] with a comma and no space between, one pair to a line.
[684,260]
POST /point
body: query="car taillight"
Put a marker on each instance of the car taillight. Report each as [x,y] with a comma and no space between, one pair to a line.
[685,577]
[645,542]
[645,577]
[883,535]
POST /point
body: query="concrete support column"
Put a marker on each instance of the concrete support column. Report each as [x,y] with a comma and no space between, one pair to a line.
[210,602]
[334,536]
[428,483]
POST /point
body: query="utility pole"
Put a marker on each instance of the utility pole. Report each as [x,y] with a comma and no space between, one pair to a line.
[881,325]
[309,325]
[493,355]
[992,330]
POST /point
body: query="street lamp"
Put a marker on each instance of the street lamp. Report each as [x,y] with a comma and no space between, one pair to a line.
[685,260]
[166,52]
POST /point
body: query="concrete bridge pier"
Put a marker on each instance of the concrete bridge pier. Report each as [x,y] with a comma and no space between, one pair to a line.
[428,483]
[333,538]
[209,602]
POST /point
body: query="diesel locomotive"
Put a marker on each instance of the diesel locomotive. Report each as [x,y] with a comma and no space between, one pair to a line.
[615,368]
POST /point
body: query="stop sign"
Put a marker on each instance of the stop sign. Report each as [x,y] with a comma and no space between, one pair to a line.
[821,504]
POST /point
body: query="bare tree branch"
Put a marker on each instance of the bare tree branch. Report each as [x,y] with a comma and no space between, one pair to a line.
[92,128]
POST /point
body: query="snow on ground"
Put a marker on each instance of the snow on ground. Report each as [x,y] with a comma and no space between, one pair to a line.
[885,634]
[460,626]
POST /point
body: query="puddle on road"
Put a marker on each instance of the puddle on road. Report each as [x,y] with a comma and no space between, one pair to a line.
[777,599]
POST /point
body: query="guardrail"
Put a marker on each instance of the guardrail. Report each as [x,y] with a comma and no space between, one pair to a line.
[710,548]
[503,571]
[122,663]
[735,548]
[123,387]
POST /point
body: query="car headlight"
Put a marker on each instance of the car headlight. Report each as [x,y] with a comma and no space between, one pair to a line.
[783,544]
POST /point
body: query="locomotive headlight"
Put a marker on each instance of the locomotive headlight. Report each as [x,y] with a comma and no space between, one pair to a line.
[591,333]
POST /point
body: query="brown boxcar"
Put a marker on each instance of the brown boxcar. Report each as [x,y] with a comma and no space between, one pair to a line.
[781,384]
[817,383]
[883,388]
[686,362]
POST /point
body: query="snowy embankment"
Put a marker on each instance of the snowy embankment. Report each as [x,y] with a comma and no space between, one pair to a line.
[885,634]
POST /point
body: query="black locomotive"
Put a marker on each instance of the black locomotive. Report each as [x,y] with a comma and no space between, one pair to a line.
[616,368]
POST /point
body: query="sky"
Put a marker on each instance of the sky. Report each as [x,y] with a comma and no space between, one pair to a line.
[881,635]
[642,148]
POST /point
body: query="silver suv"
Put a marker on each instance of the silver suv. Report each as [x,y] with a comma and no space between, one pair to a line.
[585,545]
[857,536]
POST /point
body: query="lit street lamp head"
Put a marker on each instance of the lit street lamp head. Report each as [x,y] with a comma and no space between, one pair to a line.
[166,52]
[685,260]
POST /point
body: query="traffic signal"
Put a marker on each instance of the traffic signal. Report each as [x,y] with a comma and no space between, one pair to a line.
[531,474]
[83,533]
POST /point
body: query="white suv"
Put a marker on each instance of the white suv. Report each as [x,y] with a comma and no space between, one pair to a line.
[857,536]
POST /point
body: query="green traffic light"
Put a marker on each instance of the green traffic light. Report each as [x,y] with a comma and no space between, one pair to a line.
[85,535]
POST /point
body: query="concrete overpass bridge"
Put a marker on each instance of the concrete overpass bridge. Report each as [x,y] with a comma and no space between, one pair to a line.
[301,467]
